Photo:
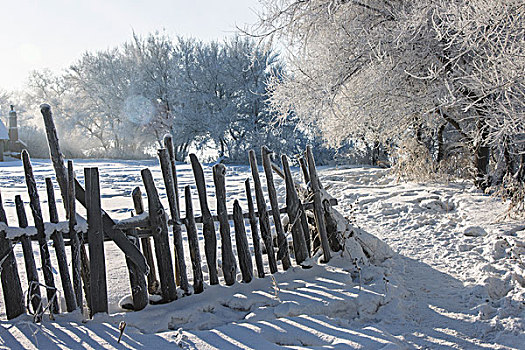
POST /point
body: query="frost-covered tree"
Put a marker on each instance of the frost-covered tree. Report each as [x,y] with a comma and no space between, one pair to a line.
[386,71]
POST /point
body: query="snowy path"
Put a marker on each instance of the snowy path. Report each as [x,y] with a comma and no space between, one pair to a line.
[445,289]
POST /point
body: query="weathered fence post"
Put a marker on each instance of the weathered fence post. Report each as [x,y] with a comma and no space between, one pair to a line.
[98,284]
[11,286]
[153,284]
[318,205]
[34,203]
[304,169]
[264,222]
[33,293]
[295,214]
[255,232]
[282,253]
[208,227]
[168,144]
[159,227]
[137,280]
[54,151]
[243,251]
[60,249]
[228,259]
[193,241]
[167,174]
[73,234]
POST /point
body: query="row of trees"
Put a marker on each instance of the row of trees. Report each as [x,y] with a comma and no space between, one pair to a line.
[448,74]
[208,95]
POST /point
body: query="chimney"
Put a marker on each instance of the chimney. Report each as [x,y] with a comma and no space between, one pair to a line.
[13,129]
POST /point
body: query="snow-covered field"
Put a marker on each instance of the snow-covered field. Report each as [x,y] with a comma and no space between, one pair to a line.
[455,277]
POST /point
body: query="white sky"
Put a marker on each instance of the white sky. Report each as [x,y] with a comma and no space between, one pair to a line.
[36,34]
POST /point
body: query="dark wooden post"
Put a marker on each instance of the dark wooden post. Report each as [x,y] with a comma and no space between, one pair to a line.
[282,253]
[304,169]
[137,280]
[318,205]
[168,144]
[34,203]
[29,259]
[228,259]
[180,263]
[11,286]
[255,231]
[193,242]
[99,296]
[60,249]
[54,151]
[264,222]
[208,226]
[145,242]
[73,234]
[295,211]
[159,227]
[243,251]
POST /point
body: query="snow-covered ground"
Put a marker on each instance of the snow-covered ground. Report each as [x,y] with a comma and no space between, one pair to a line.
[455,277]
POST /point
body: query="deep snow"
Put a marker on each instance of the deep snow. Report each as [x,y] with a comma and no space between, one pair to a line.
[456,279]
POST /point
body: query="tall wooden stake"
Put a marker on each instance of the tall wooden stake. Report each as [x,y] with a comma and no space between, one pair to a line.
[180,263]
[208,227]
[11,286]
[295,211]
[29,259]
[60,249]
[255,231]
[159,227]
[228,260]
[73,234]
[34,203]
[282,253]
[193,242]
[243,251]
[318,205]
[264,222]
[99,293]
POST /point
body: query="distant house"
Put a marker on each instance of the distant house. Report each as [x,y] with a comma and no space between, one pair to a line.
[9,142]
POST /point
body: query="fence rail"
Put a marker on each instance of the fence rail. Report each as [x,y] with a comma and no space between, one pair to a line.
[155,269]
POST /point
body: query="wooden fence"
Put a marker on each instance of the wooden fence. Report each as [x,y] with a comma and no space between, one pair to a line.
[155,269]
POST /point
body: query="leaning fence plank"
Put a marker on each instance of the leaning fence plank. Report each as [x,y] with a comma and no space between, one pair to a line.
[34,203]
[159,227]
[318,206]
[60,249]
[118,236]
[180,263]
[255,231]
[264,222]
[99,295]
[54,151]
[73,235]
[295,211]
[282,253]
[153,284]
[208,227]
[228,259]
[33,293]
[11,286]
[243,251]
[193,242]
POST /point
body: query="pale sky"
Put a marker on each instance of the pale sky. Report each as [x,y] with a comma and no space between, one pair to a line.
[36,34]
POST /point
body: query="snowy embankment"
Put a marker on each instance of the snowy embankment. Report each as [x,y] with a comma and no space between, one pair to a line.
[453,278]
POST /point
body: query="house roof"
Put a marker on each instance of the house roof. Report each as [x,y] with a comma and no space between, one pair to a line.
[4,134]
